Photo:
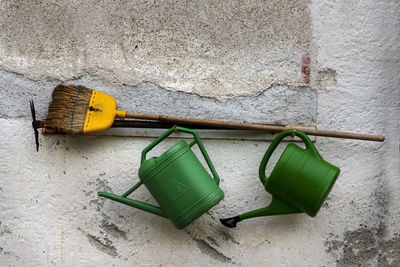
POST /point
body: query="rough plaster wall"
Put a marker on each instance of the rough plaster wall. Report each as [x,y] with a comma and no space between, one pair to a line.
[359,89]
[50,214]
[213,48]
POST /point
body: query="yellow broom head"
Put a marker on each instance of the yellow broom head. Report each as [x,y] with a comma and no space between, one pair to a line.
[78,109]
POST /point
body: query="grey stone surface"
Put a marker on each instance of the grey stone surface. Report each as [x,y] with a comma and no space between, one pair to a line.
[279,104]
[212,48]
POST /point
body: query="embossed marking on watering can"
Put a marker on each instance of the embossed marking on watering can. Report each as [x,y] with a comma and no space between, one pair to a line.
[180,189]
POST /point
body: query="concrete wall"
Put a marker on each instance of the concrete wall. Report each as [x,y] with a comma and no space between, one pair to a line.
[332,64]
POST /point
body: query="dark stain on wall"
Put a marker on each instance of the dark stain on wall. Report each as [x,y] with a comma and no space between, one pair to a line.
[4,229]
[106,246]
[209,250]
[365,246]
[112,229]
[208,246]
[228,237]
[369,245]
[326,79]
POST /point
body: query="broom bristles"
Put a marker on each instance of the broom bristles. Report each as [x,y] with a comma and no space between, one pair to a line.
[68,109]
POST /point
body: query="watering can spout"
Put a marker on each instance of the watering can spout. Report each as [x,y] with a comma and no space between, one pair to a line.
[134,203]
[276,207]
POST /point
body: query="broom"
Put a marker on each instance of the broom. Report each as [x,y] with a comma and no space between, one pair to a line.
[78,109]
[61,120]
[37,124]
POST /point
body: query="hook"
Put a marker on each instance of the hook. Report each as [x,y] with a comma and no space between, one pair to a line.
[35,124]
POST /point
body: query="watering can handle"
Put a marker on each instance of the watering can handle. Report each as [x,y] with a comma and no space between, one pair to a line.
[309,147]
[196,140]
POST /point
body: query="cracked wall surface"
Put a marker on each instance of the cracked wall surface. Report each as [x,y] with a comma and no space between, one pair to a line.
[334,64]
[278,104]
[212,48]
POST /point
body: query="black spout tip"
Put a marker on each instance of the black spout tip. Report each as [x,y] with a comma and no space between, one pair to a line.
[230,222]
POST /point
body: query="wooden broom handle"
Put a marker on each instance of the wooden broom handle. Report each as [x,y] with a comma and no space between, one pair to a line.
[251,126]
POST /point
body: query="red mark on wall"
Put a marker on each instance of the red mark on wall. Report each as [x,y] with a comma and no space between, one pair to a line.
[306,67]
[85,56]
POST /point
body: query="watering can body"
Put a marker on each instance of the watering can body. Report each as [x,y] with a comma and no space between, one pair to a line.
[300,181]
[178,182]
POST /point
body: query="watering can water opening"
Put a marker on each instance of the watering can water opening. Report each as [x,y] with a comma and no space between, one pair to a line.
[299,182]
[177,180]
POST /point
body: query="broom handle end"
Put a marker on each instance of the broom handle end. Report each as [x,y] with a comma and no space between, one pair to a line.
[121,114]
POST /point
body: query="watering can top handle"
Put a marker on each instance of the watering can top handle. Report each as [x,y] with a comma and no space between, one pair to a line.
[309,147]
[196,140]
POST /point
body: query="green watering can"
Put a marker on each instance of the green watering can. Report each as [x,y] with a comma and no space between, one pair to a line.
[177,180]
[300,181]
